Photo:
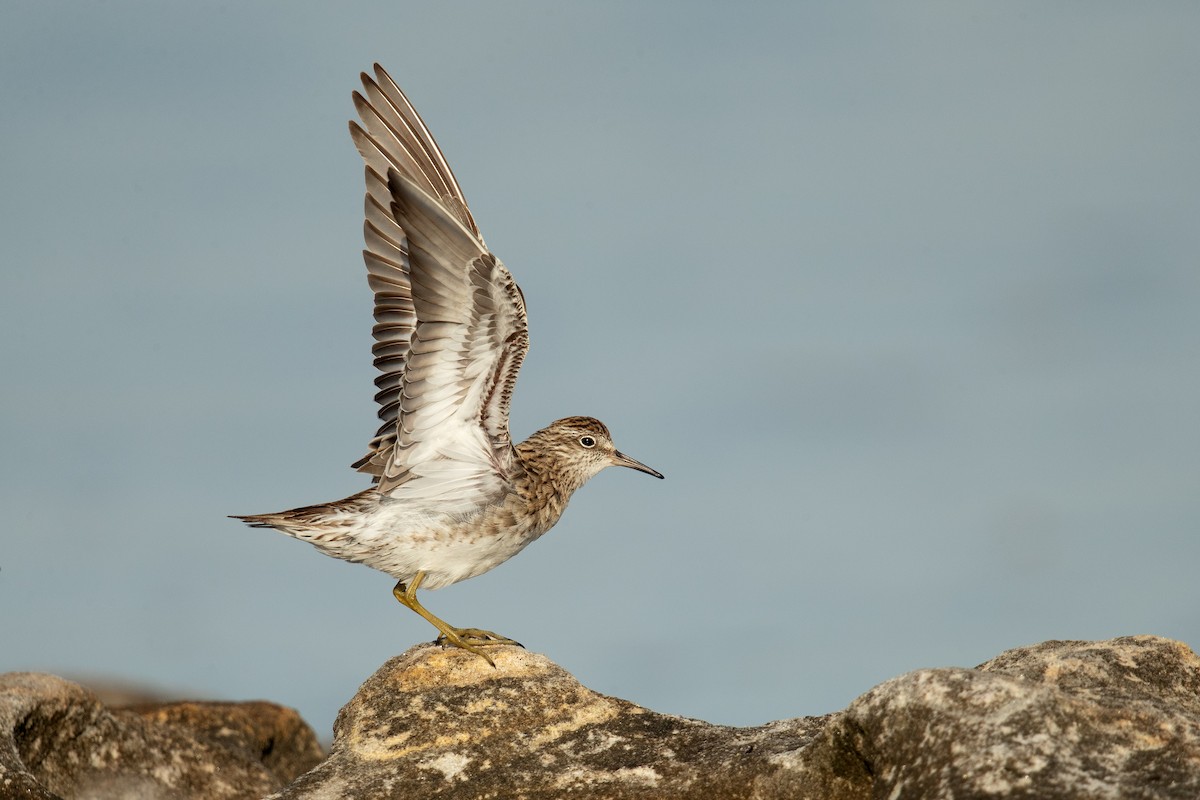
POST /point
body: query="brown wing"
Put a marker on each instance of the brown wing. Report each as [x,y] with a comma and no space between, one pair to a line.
[450,321]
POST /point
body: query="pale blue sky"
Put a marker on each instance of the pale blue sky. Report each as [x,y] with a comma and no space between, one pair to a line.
[903,298]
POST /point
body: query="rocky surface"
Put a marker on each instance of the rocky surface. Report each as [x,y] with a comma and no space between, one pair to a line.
[442,723]
[1115,719]
[58,741]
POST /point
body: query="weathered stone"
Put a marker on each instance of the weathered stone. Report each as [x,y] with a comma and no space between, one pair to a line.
[1061,720]
[58,741]
[1056,721]
[1115,719]
[440,722]
[274,735]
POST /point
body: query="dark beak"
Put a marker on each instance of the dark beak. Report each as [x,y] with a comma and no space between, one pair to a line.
[622,460]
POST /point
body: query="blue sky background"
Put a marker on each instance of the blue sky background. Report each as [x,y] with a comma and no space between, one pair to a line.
[903,298]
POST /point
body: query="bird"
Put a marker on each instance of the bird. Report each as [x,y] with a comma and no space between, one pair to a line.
[452,495]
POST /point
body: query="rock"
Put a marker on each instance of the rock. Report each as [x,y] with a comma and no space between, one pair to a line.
[439,722]
[274,735]
[1117,719]
[58,741]
[1056,721]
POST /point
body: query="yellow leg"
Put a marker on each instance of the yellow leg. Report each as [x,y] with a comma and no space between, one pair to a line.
[467,638]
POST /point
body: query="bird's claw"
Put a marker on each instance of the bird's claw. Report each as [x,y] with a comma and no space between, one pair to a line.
[471,639]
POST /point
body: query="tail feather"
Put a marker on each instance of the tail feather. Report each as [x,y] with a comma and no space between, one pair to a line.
[259,520]
[324,521]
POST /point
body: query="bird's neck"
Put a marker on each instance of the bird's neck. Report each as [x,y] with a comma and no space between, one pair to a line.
[546,479]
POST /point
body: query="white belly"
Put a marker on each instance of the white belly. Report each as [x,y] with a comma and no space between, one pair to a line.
[392,538]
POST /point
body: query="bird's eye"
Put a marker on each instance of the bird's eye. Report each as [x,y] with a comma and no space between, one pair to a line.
[587,441]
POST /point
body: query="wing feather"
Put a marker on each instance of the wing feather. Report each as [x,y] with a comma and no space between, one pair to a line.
[450,325]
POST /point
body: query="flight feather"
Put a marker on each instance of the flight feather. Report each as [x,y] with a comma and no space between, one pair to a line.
[450,326]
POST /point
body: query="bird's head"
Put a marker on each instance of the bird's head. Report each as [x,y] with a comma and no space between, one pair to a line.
[576,448]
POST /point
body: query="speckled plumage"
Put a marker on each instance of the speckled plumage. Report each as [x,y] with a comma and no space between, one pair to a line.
[453,496]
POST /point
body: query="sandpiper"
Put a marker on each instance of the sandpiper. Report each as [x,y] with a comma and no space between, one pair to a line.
[452,496]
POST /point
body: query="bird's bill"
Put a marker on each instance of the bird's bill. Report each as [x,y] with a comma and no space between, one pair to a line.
[622,460]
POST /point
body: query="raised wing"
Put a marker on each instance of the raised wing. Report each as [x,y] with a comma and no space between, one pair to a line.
[395,131]
[450,332]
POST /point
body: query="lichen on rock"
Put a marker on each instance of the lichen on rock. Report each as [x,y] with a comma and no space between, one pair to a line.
[1055,721]
[58,741]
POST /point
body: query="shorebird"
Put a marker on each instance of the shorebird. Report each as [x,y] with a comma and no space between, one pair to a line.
[452,496]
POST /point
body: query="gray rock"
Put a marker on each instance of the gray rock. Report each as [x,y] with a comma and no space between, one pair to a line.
[436,722]
[58,741]
[1057,721]
[1117,719]
[439,722]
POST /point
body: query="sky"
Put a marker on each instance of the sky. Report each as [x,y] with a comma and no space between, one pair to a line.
[902,298]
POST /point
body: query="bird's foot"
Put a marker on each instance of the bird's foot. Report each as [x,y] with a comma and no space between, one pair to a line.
[477,636]
[471,639]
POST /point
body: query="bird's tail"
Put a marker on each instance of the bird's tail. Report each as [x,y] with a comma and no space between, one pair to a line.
[261,520]
[325,522]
